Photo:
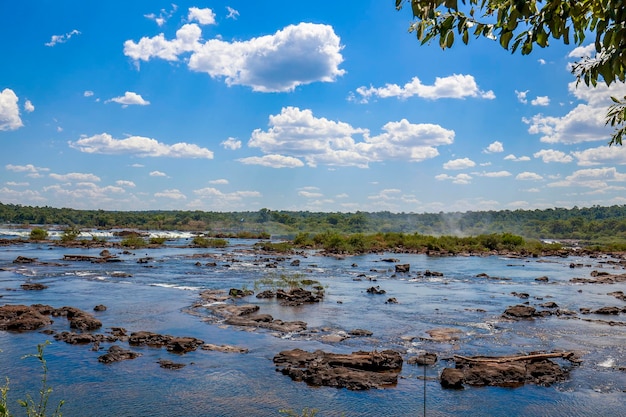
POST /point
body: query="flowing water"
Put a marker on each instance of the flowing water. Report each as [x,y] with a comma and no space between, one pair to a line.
[156,296]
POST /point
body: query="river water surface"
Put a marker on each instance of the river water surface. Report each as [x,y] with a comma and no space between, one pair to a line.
[157,296]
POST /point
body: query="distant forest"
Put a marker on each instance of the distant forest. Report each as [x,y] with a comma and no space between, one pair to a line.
[594,224]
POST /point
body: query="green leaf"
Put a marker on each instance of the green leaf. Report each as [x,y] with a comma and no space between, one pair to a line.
[450,39]
[505,38]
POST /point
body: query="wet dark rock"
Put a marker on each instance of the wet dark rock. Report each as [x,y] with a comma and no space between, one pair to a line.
[117,354]
[224,348]
[403,268]
[167,364]
[100,307]
[542,279]
[482,275]
[171,343]
[520,312]
[24,318]
[78,319]
[618,294]
[550,304]
[391,300]
[423,359]
[608,310]
[298,296]
[428,273]
[452,378]
[356,371]
[391,260]
[211,264]
[266,294]
[295,262]
[266,321]
[24,260]
[521,295]
[360,332]
[33,287]
[73,338]
[376,290]
[237,293]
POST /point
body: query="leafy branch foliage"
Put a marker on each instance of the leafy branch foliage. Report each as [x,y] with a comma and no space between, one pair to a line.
[520,25]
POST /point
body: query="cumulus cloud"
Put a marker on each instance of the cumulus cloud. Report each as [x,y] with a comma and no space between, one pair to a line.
[296,55]
[202,16]
[232,13]
[310,194]
[124,183]
[455,86]
[9,111]
[596,178]
[514,158]
[217,195]
[220,181]
[551,155]
[231,143]
[495,147]
[62,38]
[541,101]
[172,194]
[495,174]
[28,106]
[31,170]
[521,96]
[603,155]
[138,146]
[528,176]
[585,122]
[299,134]
[462,163]
[462,179]
[128,99]
[157,174]
[75,177]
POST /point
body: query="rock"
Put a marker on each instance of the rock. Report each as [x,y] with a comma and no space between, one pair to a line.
[403,268]
[360,332]
[428,273]
[452,378]
[266,294]
[33,287]
[116,354]
[334,338]
[356,371]
[298,296]
[391,300]
[78,319]
[423,359]
[607,310]
[84,338]
[520,311]
[229,310]
[390,260]
[375,290]
[167,364]
[618,294]
[295,262]
[482,275]
[521,295]
[542,279]
[24,318]
[100,307]
[550,304]
[24,260]
[237,293]
[224,348]
[444,334]
[171,343]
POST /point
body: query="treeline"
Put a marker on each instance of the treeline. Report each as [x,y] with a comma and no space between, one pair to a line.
[592,224]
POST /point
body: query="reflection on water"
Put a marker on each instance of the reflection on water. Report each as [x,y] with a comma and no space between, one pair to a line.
[156,297]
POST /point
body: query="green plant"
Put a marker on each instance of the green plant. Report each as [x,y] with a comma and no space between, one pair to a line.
[133,242]
[159,240]
[38,407]
[70,234]
[38,234]
[203,242]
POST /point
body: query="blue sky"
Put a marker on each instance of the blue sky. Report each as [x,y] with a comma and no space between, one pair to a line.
[320,106]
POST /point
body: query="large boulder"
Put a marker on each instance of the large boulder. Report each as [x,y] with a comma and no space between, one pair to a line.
[520,311]
[356,371]
[116,354]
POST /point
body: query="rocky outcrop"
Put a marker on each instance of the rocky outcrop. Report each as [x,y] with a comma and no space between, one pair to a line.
[356,371]
[171,343]
[24,318]
[520,311]
[376,290]
[224,348]
[116,354]
[78,319]
[33,287]
[403,268]
[298,296]
[423,359]
[507,371]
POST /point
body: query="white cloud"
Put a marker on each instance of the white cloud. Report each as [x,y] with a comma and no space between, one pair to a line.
[220,199]
[455,86]
[128,99]
[514,158]
[17,184]
[273,161]
[173,194]
[75,177]
[28,106]
[602,155]
[495,174]
[124,183]
[542,61]
[462,179]
[587,51]
[299,134]
[584,123]
[9,111]
[231,143]
[220,181]
[461,163]
[296,55]
[541,101]
[495,147]
[29,168]
[158,174]
[88,93]
[521,96]
[163,16]
[551,155]
[232,13]
[309,194]
[138,146]
[62,38]
[596,178]
[528,176]
[202,16]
